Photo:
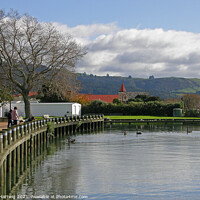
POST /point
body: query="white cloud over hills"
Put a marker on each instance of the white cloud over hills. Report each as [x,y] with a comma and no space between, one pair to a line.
[139,53]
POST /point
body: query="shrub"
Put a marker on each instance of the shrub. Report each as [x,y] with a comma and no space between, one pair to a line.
[154,108]
[192,113]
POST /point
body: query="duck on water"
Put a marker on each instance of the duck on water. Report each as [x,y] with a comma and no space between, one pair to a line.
[138,132]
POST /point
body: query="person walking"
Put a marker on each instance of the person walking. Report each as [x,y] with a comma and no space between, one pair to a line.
[15,115]
[10,123]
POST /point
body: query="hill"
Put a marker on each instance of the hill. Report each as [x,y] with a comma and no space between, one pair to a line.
[163,87]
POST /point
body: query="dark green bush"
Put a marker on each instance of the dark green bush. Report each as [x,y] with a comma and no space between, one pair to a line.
[192,113]
[154,108]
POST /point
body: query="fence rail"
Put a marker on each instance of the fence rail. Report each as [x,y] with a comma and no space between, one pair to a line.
[21,144]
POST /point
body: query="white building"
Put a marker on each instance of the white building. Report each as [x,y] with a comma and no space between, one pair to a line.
[51,109]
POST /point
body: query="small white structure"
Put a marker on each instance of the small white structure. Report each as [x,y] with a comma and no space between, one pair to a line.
[51,109]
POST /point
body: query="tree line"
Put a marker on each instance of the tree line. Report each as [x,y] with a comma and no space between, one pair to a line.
[147,105]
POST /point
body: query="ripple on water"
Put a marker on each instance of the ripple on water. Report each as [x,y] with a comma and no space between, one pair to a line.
[154,165]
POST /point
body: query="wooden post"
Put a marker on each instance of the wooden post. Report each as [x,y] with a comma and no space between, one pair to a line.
[67,129]
[39,143]
[22,130]
[9,136]
[68,119]
[71,129]
[60,131]
[39,124]
[9,174]
[31,148]
[5,139]
[74,128]
[5,174]
[25,129]
[35,146]
[14,166]
[1,143]
[25,154]
[65,120]
[29,128]
[21,159]
[17,133]
[102,122]
[1,179]
[32,127]
[35,126]
[28,152]
[44,139]
[18,162]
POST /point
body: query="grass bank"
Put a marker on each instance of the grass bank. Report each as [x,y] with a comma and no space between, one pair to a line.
[148,117]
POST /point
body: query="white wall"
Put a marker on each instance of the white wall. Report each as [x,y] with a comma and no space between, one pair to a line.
[52,109]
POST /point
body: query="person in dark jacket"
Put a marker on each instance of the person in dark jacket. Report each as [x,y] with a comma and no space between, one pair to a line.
[10,123]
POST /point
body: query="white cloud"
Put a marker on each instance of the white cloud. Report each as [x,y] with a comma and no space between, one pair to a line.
[139,53]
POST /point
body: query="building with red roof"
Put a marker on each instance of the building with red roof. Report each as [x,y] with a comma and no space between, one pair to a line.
[123,96]
[19,97]
[105,98]
[122,88]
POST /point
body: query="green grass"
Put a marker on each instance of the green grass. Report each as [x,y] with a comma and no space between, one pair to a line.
[148,117]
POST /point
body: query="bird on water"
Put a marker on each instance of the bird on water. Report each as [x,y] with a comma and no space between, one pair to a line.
[73,141]
[138,132]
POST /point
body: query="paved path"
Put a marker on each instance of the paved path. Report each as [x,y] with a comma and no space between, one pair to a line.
[3,125]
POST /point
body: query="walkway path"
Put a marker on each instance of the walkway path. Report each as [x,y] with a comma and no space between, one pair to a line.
[3,125]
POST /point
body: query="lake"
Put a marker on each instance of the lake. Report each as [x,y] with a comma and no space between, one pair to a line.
[162,163]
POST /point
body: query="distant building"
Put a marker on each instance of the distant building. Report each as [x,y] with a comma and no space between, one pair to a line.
[105,98]
[123,96]
[19,97]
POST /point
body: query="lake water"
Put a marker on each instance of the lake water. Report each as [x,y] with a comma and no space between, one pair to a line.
[162,163]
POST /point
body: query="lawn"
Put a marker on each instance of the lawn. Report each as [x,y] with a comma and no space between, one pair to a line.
[148,117]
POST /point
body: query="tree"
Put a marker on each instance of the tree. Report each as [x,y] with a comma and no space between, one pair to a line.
[116,101]
[5,91]
[142,96]
[50,93]
[191,101]
[5,95]
[60,89]
[83,99]
[32,53]
[153,98]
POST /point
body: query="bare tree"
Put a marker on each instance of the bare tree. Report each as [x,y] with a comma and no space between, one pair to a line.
[60,88]
[191,101]
[33,52]
[5,90]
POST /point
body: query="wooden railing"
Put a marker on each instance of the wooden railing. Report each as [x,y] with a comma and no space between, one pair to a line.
[19,144]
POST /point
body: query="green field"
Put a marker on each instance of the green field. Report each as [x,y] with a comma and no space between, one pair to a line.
[148,117]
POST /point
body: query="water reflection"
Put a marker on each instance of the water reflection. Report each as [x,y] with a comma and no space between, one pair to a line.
[162,163]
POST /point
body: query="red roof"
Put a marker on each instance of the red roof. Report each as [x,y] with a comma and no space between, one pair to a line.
[105,98]
[122,88]
[30,94]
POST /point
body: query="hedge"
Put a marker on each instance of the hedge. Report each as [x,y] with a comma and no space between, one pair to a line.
[154,108]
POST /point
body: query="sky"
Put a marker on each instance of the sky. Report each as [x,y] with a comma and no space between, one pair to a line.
[126,37]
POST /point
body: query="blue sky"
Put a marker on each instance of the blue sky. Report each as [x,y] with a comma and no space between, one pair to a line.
[126,37]
[166,14]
